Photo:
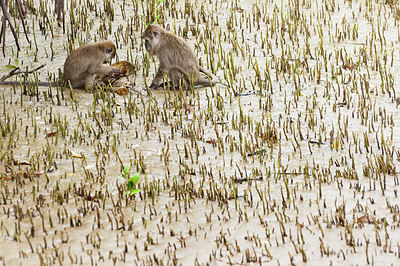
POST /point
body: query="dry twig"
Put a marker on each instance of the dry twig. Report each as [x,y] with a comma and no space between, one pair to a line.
[18,71]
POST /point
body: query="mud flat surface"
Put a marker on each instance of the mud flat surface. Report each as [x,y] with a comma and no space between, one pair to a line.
[293,159]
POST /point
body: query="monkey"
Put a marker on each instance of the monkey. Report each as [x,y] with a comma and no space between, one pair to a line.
[83,64]
[87,61]
[177,60]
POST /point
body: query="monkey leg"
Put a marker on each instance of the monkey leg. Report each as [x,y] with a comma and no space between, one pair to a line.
[157,79]
[166,84]
[76,83]
[89,82]
[176,79]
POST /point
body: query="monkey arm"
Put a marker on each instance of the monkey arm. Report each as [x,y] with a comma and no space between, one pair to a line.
[102,69]
[157,79]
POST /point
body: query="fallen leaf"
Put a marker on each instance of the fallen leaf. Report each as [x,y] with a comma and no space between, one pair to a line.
[74,154]
[20,162]
[51,134]
[348,66]
[39,173]
[6,178]
[366,219]
[122,91]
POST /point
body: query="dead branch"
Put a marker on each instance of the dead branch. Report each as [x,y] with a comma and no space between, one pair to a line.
[18,71]
[6,17]
[3,6]
[22,13]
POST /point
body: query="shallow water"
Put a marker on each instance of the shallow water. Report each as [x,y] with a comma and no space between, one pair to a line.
[294,162]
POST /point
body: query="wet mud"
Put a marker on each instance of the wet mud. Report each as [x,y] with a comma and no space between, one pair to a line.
[292,160]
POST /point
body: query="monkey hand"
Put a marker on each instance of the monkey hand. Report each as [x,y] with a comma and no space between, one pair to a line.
[116,71]
[153,86]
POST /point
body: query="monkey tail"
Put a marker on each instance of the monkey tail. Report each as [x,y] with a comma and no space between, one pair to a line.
[206,82]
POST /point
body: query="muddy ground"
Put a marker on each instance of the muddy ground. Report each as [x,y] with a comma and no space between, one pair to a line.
[292,159]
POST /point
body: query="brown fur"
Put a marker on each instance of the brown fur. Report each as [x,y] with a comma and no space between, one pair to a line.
[177,60]
[88,60]
[82,65]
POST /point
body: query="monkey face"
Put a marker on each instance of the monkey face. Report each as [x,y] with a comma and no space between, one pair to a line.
[109,54]
[151,37]
[147,45]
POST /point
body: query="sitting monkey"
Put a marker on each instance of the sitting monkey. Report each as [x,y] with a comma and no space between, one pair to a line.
[176,60]
[83,64]
[87,61]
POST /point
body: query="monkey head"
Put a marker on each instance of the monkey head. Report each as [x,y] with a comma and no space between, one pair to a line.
[109,51]
[151,37]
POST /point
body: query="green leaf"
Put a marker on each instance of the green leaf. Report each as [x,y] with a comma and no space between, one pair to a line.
[11,66]
[135,179]
[130,184]
[127,169]
[133,192]
[16,61]
[155,20]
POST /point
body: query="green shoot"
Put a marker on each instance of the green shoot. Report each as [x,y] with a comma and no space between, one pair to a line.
[16,63]
[131,181]
[159,3]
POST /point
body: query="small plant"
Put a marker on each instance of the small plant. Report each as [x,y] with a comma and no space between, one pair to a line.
[153,10]
[131,181]
[15,66]
[159,3]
